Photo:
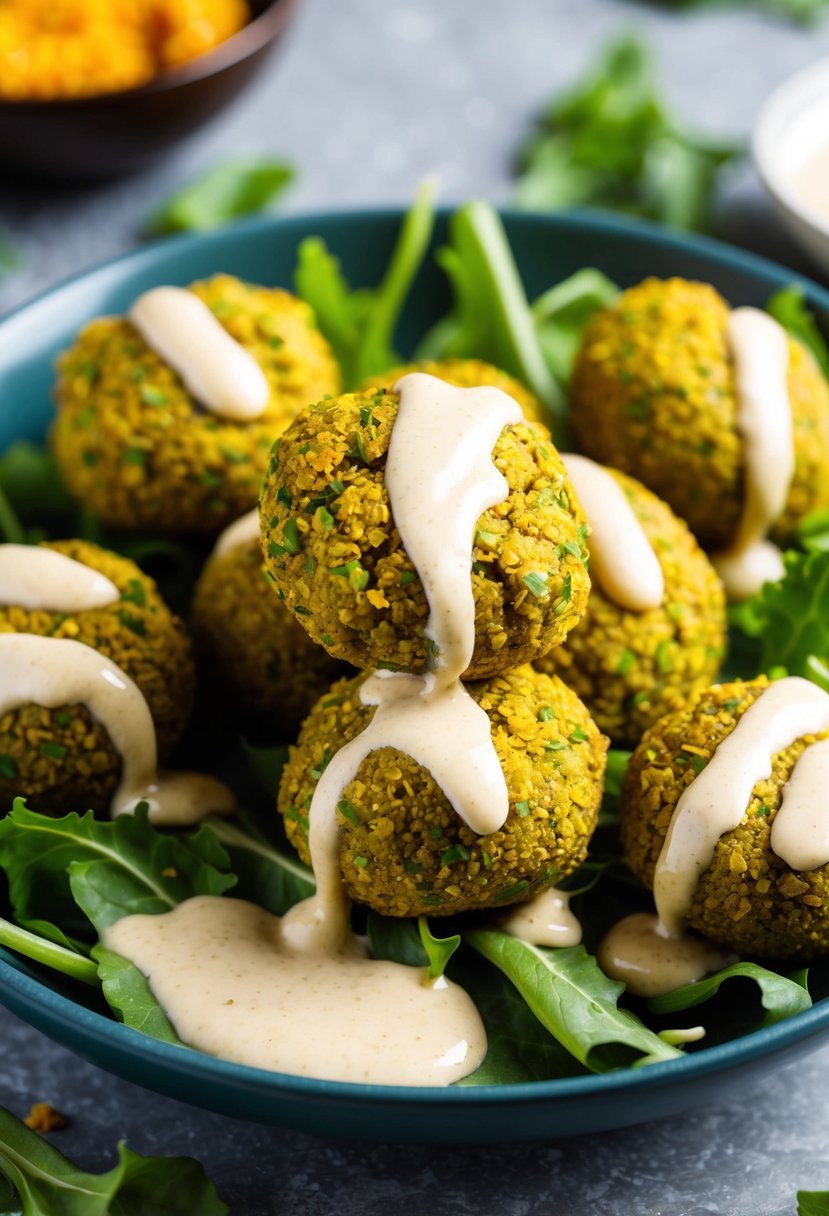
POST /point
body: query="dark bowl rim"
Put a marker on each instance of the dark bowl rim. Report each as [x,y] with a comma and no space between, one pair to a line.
[255,36]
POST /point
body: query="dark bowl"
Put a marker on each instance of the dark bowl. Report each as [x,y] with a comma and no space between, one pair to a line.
[116,133]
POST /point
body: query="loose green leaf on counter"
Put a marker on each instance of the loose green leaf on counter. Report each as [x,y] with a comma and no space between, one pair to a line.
[788,307]
[360,324]
[576,1002]
[813,1203]
[781,997]
[48,1184]
[128,994]
[223,194]
[804,12]
[610,142]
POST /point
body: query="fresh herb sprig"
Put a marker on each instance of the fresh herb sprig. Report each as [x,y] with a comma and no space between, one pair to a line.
[224,193]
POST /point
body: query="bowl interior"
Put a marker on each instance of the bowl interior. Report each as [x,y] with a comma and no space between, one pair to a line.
[547,249]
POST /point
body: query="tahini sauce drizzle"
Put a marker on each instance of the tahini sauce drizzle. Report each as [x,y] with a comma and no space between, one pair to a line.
[243,531]
[640,952]
[56,671]
[621,556]
[760,350]
[546,920]
[715,803]
[216,369]
[36,578]
[305,999]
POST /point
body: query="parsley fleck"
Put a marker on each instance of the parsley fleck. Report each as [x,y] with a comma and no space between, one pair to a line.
[546,713]
[523,808]
[579,735]
[536,583]
[8,768]
[361,862]
[135,593]
[456,852]
[626,662]
[408,576]
[347,811]
[55,751]
[154,396]
[134,456]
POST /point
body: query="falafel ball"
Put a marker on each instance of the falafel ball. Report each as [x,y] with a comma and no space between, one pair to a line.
[62,759]
[252,650]
[653,393]
[467,373]
[134,445]
[332,546]
[631,668]
[748,899]
[405,851]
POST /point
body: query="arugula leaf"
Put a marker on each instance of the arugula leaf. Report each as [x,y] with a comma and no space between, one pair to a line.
[788,307]
[128,994]
[577,1003]
[491,318]
[222,194]
[360,324]
[780,997]
[109,868]
[791,619]
[266,876]
[48,1184]
[438,950]
[563,311]
[804,12]
[395,940]
[266,765]
[39,950]
[610,142]
[813,1203]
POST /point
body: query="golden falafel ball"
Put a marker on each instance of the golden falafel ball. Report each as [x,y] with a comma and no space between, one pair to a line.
[62,759]
[630,668]
[467,373]
[653,393]
[748,899]
[332,546]
[251,649]
[405,851]
[133,444]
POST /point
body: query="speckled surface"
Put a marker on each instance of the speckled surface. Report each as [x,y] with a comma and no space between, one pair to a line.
[367,97]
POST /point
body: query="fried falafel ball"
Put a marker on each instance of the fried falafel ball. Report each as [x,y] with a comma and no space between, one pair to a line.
[332,546]
[631,668]
[134,445]
[653,393]
[748,899]
[403,849]
[62,759]
[467,373]
[252,650]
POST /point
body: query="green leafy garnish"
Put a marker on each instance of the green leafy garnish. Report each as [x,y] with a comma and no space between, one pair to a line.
[438,950]
[266,876]
[36,947]
[128,995]
[221,195]
[577,1003]
[804,12]
[813,1203]
[562,312]
[788,307]
[780,997]
[360,324]
[610,142]
[48,1184]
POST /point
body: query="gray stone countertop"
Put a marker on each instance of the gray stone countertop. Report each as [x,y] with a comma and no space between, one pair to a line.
[366,98]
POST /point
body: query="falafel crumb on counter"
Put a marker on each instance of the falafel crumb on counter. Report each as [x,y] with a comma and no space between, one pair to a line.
[53,672]
[760,349]
[243,531]
[222,376]
[547,920]
[622,559]
[36,579]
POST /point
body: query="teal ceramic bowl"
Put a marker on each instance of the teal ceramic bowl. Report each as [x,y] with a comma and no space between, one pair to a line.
[547,249]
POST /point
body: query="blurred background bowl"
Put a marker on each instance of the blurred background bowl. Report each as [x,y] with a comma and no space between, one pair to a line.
[792,128]
[112,134]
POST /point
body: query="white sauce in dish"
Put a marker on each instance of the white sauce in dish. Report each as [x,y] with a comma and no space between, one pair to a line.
[622,559]
[800,831]
[232,987]
[760,349]
[546,920]
[215,368]
[716,800]
[53,672]
[640,953]
[811,182]
[242,532]
[36,578]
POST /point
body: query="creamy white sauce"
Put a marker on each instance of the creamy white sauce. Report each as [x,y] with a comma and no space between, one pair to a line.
[36,578]
[218,371]
[52,672]
[622,559]
[545,920]
[640,953]
[800,831]
[811,182]
[230,984]
[760,349]
[716,800]
[242,532]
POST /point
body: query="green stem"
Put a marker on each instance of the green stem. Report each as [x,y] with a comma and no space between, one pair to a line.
[584,284]
[49,953]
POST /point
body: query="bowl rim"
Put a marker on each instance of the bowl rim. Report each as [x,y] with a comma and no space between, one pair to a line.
[21,990]
[776,115]
[261,30]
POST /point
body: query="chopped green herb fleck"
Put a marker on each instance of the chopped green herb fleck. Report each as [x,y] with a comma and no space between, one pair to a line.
[536,583]
[456,852]
[8,768]
[55,751]
[347,811]
[154,396]
[546,713]
[523,808]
